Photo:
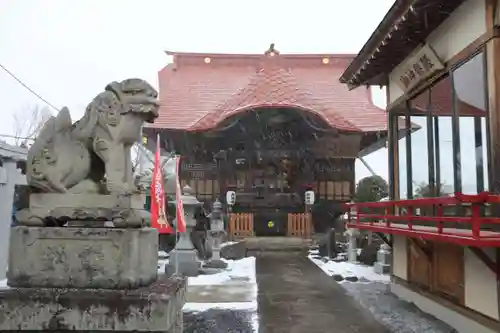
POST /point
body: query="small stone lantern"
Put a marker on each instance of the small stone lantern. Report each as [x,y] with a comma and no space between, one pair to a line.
[183,259]
[216,232]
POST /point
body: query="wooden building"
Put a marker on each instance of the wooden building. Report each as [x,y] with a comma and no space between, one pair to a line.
[440,64]
[269,127]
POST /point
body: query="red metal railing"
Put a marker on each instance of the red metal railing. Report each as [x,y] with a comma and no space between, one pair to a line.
[430,218]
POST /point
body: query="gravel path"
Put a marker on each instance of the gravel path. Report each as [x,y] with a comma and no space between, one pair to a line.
[397,315]
[218,321]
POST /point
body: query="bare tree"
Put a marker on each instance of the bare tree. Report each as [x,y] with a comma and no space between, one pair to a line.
[28,123]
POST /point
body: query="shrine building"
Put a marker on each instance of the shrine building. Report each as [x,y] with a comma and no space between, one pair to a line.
[269,127]
[440,64]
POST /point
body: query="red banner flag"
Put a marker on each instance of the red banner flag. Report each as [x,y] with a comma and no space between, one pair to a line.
[181,223]
[158,215]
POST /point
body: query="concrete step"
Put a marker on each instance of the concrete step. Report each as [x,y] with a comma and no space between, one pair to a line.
[277,244]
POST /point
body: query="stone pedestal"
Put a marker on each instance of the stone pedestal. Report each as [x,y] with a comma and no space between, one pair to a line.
[55,209]
[384,259]
[183,259]
[82,257]
[88,280]
[155,308]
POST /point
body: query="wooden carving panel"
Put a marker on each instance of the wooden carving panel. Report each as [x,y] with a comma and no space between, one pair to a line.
[449,271]
[419,265]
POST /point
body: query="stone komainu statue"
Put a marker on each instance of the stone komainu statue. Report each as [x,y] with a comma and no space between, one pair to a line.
[93,154]
[81,173]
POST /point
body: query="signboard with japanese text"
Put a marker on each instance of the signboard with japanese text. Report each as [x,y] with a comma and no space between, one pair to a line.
[417,68]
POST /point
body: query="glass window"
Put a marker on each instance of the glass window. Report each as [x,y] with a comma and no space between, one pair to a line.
[441,109]
[419,107]
[470,102]
[403,174]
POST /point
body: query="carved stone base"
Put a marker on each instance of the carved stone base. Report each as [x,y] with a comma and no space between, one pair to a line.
[185,261]
[156,308]
[82,257]
[215,263]
[56,209]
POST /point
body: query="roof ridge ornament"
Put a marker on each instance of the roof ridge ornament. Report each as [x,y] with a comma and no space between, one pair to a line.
[271,52]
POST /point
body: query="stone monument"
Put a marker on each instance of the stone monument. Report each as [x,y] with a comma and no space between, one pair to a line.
[183,259]
[215,233]
[69,269]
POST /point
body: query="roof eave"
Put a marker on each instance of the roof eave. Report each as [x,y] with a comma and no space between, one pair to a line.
[403,19]
[375,40]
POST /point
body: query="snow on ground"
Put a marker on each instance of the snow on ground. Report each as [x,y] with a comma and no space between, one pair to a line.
[347,269]
[237,270]
[3,283]
[227,243]
[238,274]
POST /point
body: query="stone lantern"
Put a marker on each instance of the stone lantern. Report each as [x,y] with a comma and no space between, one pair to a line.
[216,232]
[183,259]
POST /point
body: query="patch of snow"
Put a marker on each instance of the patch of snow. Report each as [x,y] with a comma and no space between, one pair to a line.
[200,307]
[237,271]
[162,254]
[161,265]
[227,243]
[3,283]
[240,270]
[347,269]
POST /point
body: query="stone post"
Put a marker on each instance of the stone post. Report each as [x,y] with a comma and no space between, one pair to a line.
[383,264]
[216,232]
[13,176]
[352,251]
[183,259]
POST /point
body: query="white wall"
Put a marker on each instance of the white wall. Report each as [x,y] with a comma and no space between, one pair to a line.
[399,257]
[466,24]
[480,284]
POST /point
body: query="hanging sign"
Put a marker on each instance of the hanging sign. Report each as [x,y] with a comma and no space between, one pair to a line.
[417,68]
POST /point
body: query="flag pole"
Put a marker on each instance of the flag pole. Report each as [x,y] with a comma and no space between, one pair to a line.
[177,224]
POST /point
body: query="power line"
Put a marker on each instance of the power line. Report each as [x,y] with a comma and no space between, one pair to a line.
[15,137]
[28,88]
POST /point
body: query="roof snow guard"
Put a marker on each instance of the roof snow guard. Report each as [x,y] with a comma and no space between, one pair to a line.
[199,90]
[404,28]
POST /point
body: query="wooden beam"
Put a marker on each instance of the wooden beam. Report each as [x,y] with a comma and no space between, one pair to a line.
[481,255]
[422,246]
[385,239]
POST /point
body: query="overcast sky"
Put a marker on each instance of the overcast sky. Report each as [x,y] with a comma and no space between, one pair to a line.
[68,50]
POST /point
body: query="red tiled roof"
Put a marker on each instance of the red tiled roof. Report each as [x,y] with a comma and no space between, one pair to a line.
[198,91]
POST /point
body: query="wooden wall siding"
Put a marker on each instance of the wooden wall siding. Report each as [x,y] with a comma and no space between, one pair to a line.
[448,263]
[240,225]
[419,265]
[437,267]
[332,190]
[204,189]
[299,225]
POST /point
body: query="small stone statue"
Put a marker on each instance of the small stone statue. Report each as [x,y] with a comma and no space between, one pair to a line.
[83,171]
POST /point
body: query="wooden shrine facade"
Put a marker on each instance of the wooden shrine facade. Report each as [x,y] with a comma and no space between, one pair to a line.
[269,163]
[269,127]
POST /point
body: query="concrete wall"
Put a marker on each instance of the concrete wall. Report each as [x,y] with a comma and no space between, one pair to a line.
[480,284]
[465,25]
[400,257]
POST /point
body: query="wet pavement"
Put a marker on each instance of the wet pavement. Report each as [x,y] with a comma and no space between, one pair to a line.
[295,296]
